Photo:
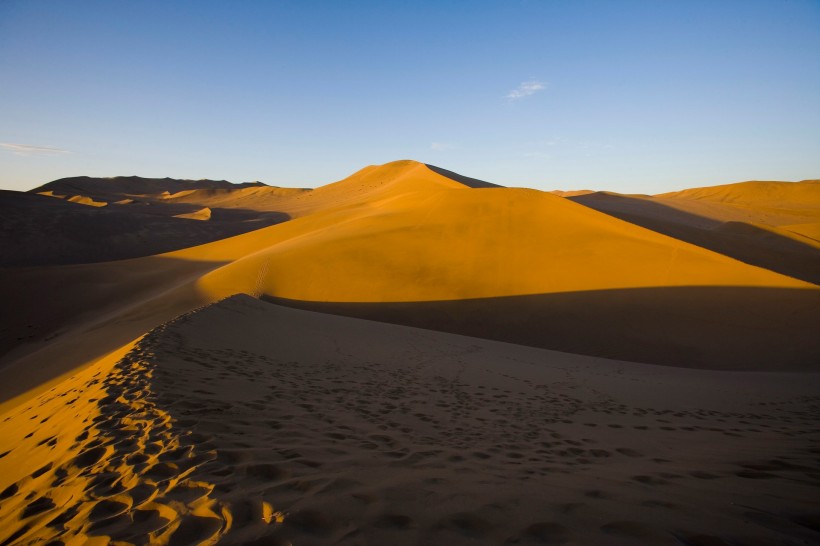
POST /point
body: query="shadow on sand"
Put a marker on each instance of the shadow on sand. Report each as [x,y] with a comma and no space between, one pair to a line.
[727,328]
[739,240]
[36,230]
[461,179]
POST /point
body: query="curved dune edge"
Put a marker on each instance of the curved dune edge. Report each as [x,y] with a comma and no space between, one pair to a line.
[250,423]
[203,214]
[84,200]
[767,224]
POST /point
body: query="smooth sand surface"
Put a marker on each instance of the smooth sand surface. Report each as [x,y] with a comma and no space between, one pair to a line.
[258,424]
[768,224]
[203,214]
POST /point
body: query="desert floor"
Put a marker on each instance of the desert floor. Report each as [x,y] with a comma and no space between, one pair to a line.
[254,423]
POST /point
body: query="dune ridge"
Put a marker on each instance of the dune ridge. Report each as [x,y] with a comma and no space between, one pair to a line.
[251,423]
[767,224]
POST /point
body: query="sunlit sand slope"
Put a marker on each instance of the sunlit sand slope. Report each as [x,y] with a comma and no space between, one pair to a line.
[789,197]
[257,424]
[775,225]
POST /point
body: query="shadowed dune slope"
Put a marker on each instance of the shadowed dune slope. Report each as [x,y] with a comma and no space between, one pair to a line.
[691,327]
[131,185]
[460,178]
[38,230]
[251,423]
[768,224]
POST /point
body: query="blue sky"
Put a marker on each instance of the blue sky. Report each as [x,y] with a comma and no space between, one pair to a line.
[641,97]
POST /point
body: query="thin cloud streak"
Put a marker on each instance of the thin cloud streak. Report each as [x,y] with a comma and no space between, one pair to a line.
[29,149]
[525,90]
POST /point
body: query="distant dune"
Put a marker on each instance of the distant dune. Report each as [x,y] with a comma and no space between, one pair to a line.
[767,224]
[188,363]
[570,193]
[203,214]
[131,185]
[38,230]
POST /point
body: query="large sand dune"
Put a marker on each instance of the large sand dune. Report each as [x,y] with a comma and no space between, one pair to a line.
[677,280]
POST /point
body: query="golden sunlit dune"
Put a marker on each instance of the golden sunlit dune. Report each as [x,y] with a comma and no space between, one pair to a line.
[571,193]
[803,195]
[166,438]
[768,224]
[201,214]
[83,200]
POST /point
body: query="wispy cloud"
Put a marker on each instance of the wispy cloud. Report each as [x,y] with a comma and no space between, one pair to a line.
[525,90]
[442,146]
[28,149]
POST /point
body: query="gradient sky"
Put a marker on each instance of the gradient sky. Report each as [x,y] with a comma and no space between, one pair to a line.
[645,97]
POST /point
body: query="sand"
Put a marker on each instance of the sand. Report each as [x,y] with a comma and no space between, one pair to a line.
[253,423]
[38,230]
[138,403]
[529,267]
[768,224]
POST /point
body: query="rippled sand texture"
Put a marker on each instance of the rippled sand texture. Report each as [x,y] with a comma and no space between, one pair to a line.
[117,466]
[247,421]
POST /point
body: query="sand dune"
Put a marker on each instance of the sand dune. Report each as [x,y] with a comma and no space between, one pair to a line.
[803,195]
[767,224]
[203,214]
[571,193]
[36,230]
[256,424]
[83,200]
[110,188]
[249,422]
[401,233]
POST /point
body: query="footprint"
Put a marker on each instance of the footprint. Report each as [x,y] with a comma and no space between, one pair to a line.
[630,529]
[394,521]
[468,525]
[547,532]
[109,508]
[37,506]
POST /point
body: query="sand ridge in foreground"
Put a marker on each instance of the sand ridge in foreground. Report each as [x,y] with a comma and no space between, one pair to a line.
[253,423]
